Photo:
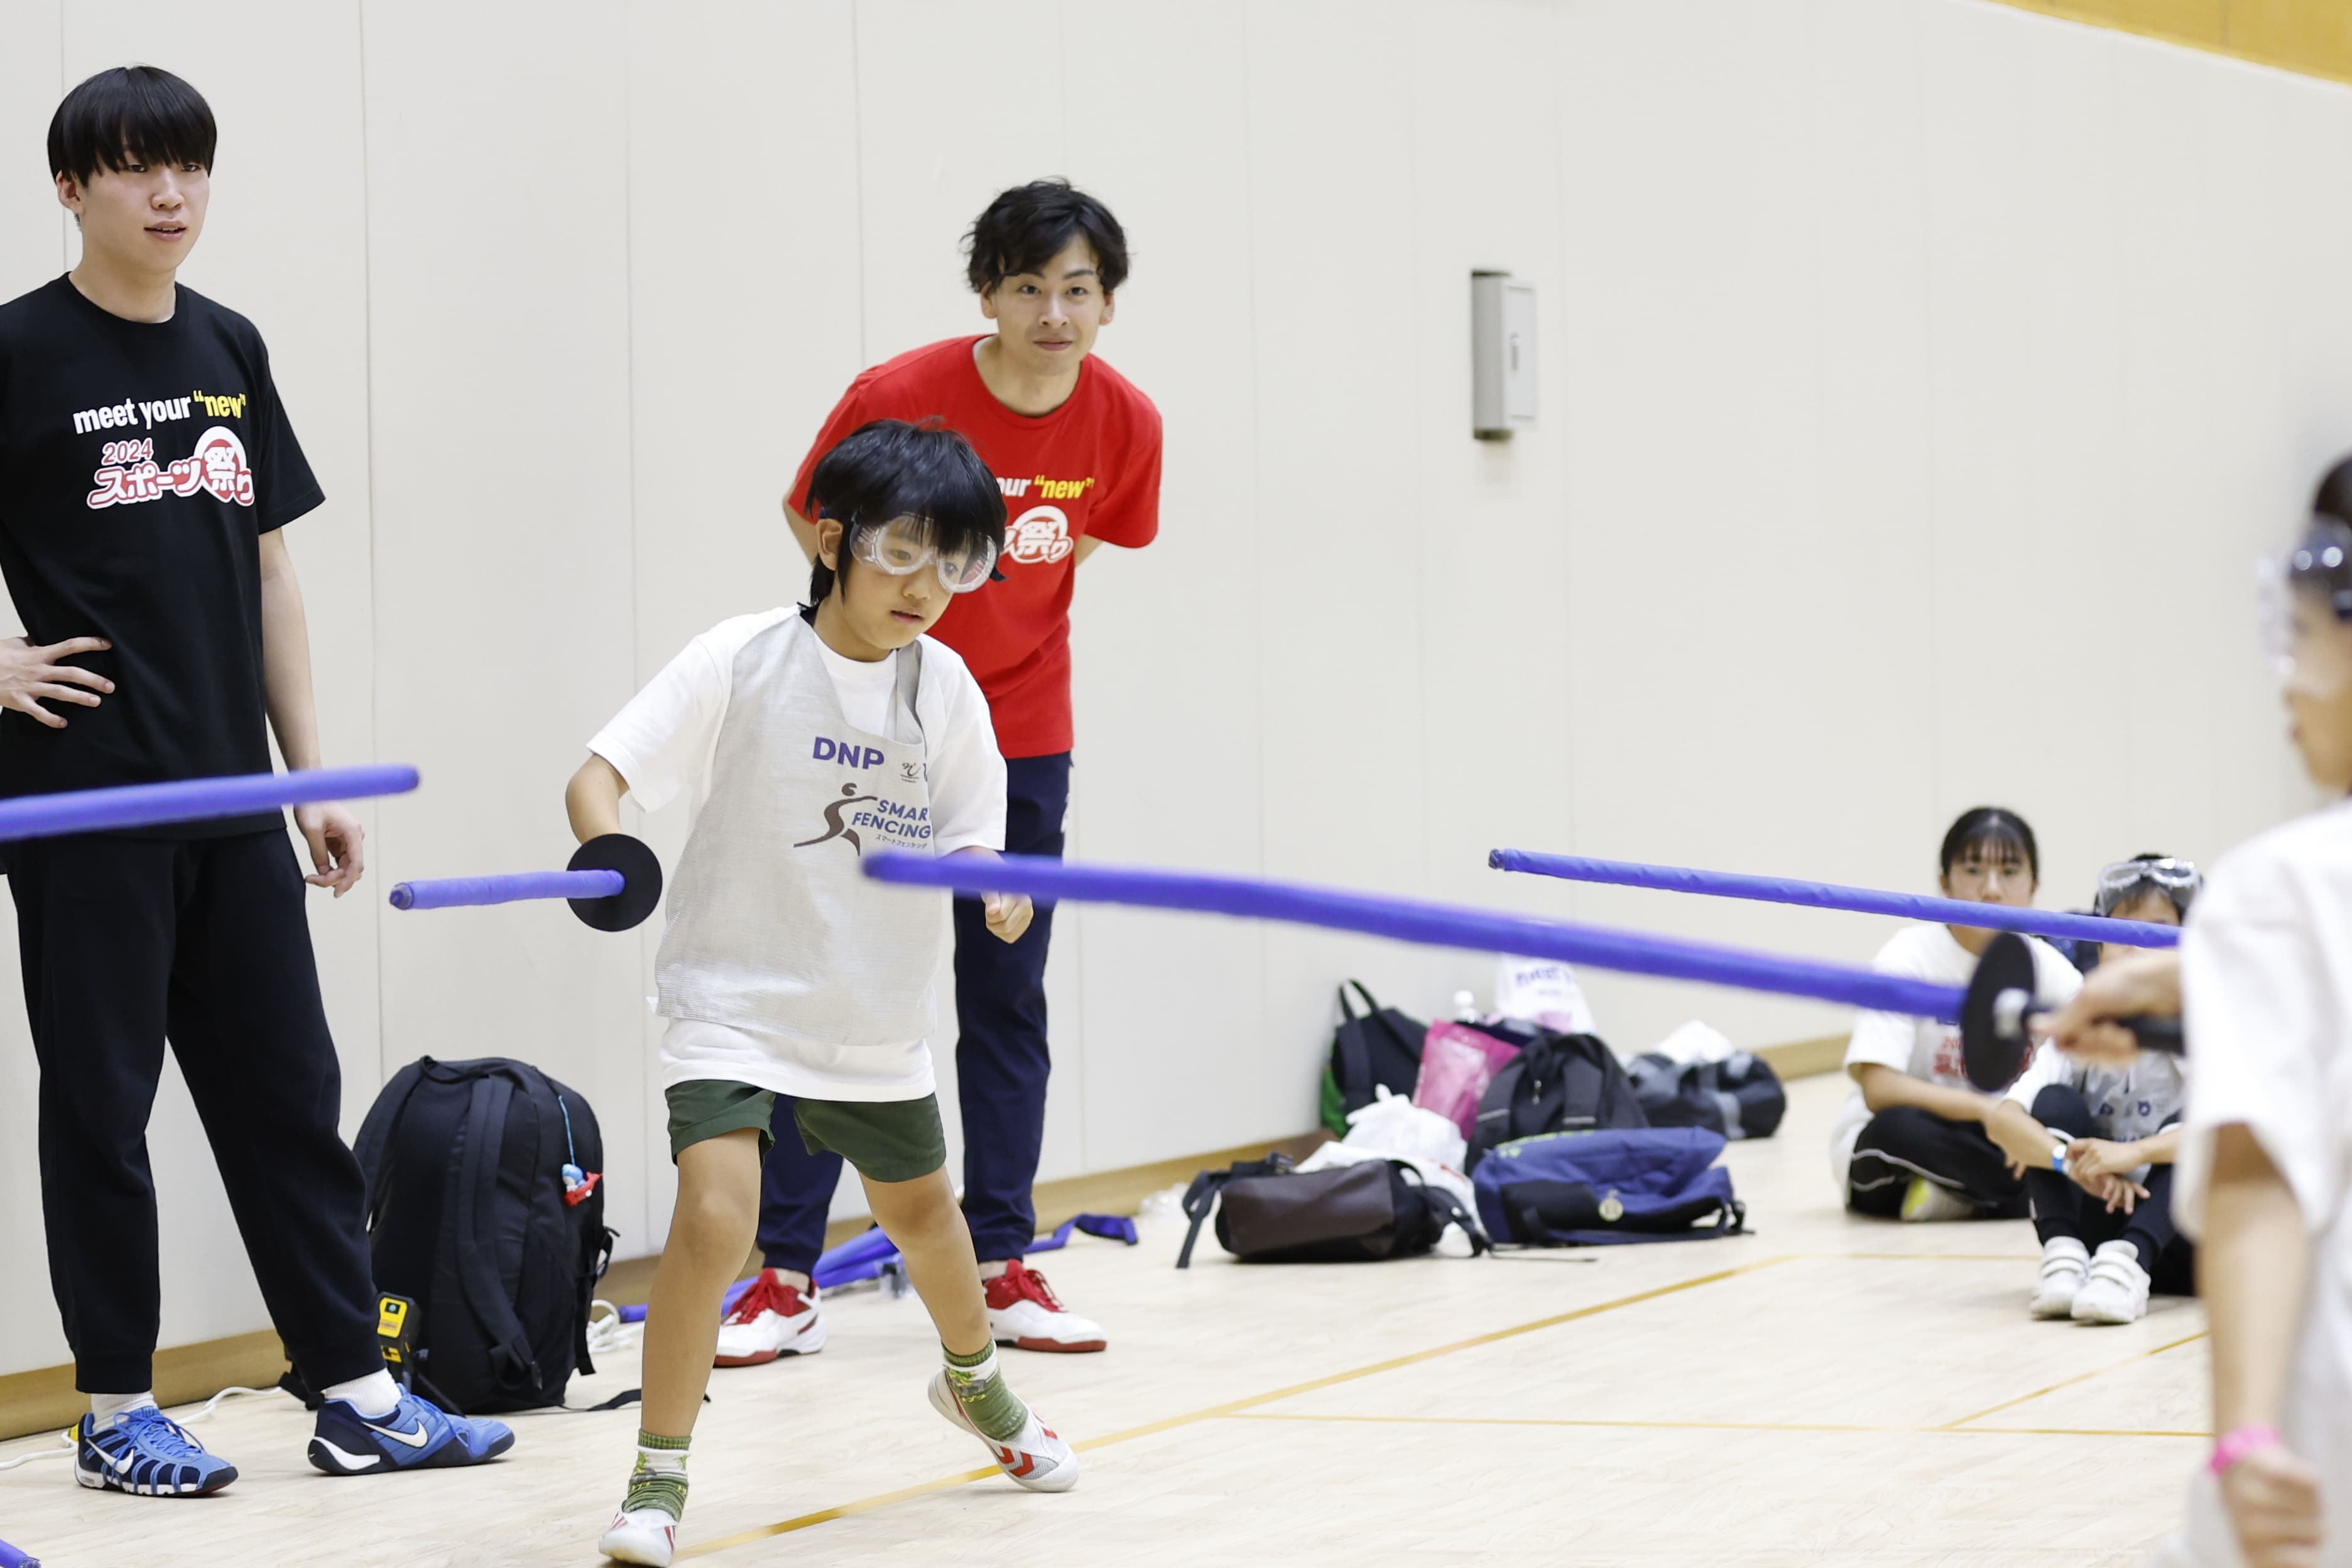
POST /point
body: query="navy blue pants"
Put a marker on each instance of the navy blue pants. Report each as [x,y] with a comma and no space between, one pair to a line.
[1001,1063]
[2062,1208]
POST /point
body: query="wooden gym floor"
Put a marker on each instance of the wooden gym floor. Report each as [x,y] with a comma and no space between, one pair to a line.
[1828,1391]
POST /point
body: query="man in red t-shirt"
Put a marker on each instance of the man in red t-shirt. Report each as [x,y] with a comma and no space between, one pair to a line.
[1076,449]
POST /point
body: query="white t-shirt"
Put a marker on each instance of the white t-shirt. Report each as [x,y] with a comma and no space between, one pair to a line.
[2266,972]
[1922,1047]
[663,744]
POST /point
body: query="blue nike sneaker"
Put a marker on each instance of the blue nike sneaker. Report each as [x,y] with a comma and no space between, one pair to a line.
[147,1453]
[416,1436]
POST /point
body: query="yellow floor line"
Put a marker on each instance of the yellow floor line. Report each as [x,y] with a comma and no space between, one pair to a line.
[862,1505]
[2069,1382]
[945,1483]
[1930,1257]
[1719,1425]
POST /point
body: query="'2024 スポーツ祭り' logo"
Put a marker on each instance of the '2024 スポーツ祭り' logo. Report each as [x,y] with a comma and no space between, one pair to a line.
[130,473]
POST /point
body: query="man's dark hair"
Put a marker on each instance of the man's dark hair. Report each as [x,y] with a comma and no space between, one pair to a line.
[1029,224]
[889,469]
[130,114]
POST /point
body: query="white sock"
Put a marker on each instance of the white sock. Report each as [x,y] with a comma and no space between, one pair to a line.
[105,1407]
[374,1396]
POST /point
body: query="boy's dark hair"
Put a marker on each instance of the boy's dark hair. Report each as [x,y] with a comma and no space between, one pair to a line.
[135,114]
[1028,226]
[1992,826]
[889,469]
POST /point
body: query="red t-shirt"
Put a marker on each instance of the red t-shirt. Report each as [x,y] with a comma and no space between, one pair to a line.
[1088,469]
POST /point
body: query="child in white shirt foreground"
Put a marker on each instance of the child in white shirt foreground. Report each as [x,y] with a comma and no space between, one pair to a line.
[2265,1171]
[807,739]
[2096,1142]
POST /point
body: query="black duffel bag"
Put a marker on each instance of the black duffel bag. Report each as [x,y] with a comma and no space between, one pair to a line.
[1268,1213]
[1739,1096]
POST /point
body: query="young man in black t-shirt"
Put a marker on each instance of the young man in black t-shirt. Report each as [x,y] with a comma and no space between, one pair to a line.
[146,467]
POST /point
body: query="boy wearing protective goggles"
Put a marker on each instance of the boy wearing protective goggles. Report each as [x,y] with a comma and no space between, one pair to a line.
[2265,1174]
[808,739]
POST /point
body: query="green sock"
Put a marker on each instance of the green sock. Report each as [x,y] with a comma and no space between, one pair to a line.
[980,1389]
[659,1479]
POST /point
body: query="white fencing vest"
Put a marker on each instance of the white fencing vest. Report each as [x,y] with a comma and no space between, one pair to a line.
[772,928]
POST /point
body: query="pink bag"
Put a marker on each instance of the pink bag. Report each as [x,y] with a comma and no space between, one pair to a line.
[1458,1062]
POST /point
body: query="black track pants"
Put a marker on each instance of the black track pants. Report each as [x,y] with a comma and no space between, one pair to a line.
[127,941]
[1903,1141]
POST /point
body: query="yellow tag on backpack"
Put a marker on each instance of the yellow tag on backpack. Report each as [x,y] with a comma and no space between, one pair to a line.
[395,1318]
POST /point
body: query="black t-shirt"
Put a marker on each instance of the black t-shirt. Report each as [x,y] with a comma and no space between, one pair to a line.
[140,465]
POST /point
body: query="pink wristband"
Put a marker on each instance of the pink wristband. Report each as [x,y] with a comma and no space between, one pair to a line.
[2238,1444]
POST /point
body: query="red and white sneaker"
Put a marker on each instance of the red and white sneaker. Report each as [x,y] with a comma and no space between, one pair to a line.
[648,1537]
[1023,1312]
[1036,1457]
[772,1319]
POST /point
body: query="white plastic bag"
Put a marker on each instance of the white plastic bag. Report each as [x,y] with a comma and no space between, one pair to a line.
[1394,1127]
[1542,991]
[1332,1155]
[1694,1043]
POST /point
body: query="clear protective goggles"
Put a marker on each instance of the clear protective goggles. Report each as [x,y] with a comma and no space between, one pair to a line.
[903,546]
[2179,881]
[2306,606]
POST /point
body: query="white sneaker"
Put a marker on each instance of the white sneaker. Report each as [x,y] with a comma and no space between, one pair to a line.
[2064,1260]
[648,1536]
[2117,1289]
[769,1320]
[1036,1457]
[1023,1312]
[1923,1200]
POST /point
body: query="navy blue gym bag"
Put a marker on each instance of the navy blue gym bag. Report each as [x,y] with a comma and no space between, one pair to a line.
[1588,1189]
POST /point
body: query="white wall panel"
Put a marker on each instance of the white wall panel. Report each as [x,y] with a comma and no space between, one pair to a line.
[1165,641]
[499,195]
[32,77]
[32,251]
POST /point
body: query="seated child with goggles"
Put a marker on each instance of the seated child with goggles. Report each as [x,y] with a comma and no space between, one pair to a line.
[2096,1142]
[806,739]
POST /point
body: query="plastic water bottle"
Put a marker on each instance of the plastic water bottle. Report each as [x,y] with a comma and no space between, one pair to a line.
[1465,1007]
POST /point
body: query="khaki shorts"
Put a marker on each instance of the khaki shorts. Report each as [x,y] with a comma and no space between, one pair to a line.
[885,1140]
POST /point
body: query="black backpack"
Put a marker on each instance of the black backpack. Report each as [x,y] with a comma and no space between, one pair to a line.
[473,1214]
[1267,1213]
[1558,1083]
[1739,1096]
[1383,1046]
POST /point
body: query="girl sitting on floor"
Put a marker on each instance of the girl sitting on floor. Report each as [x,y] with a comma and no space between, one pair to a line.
[1911,1141]
[2116,1130]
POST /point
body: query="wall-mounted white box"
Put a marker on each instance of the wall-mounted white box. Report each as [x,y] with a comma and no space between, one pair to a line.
[1502,355]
